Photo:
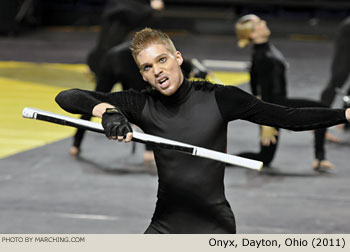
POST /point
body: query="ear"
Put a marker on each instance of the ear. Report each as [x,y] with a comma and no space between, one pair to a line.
[252,35]
[179,58]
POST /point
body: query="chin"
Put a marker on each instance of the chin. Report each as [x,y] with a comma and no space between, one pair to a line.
[166,93]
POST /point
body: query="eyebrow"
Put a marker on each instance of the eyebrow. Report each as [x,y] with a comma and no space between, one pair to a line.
[159,56]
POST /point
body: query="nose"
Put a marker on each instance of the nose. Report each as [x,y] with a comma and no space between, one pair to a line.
[157,70]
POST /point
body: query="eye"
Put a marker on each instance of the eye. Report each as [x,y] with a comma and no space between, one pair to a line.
[162,59]
[146,68]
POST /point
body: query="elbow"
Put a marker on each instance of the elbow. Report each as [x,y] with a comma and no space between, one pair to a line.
[59,97]
[64,99]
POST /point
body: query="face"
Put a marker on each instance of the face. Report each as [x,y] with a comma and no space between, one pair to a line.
[260,30]
[161,68]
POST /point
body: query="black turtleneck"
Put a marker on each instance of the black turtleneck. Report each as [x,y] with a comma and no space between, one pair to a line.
[268,77]
[191,197]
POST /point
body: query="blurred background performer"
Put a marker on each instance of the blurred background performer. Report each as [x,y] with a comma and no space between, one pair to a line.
[268,82]
[340,68]
[118,19]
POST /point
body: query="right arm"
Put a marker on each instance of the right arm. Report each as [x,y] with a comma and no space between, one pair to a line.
[129,105]
[78,101]
[100,109]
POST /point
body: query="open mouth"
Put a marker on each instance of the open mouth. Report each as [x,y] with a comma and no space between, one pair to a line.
[163,82]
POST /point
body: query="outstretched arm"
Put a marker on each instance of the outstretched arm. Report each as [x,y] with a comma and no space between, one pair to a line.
[296,119]
[235,103]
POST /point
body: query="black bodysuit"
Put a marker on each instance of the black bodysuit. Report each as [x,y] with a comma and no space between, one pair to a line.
[191,196]
[268,81]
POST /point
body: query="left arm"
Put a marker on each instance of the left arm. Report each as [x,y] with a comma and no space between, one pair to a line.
[235,103]
[296,119]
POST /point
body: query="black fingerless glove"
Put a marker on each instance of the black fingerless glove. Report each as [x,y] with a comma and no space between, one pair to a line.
[115,123]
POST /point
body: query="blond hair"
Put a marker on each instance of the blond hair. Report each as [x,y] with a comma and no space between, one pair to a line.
[148,36]
[244,27]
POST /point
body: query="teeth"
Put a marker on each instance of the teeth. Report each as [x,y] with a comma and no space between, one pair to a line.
[162,80]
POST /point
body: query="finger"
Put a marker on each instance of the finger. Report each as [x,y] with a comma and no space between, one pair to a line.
[265,142]
[120,138]
[262,141]
[111,137]
[273,140]
[123,130]
[128,137]
[112,134]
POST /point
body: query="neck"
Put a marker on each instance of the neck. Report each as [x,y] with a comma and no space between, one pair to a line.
[179,96]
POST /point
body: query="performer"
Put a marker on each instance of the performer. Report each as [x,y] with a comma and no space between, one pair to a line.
[268,82]
[340,68]
[118,66]
[191,195]
[118,19]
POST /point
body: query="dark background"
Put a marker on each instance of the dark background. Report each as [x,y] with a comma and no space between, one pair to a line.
[202,16]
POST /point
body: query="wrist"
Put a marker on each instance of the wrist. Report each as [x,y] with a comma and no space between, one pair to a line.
[111,110]
[100,109]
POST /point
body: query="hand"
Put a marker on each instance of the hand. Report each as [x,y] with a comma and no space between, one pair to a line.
[116,126]
[268,135]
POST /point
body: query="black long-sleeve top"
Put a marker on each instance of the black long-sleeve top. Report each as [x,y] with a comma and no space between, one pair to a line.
[198,114]
[268,73]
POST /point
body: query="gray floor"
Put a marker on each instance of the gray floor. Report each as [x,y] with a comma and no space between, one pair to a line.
[44,190]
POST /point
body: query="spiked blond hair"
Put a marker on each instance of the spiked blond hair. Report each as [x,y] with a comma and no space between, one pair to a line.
[148,36]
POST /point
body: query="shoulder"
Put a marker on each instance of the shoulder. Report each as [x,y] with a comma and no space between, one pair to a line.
[150,92]
[203,85]
[130,96]
[208,86]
